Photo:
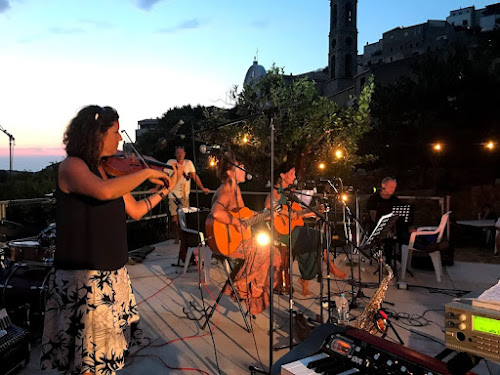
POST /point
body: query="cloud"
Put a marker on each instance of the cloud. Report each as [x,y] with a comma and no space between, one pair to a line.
[96,23]
[65,30]
[4,6]
[146,4]
[260,24]
[193,23]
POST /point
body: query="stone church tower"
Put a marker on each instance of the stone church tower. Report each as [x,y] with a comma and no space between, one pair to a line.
[343,43]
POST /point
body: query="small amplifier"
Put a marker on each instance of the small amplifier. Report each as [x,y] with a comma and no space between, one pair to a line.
[472,329]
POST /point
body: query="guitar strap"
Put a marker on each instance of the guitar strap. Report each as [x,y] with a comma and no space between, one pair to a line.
[281,192]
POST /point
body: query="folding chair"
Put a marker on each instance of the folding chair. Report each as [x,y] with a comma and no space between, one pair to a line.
[195,239]
[433,235]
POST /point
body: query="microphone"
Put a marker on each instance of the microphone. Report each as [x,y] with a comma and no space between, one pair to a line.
[248,176]
[205,149]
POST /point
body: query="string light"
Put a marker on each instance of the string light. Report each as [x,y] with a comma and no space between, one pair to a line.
[344,197]
[490,145]
[339,154]
[245,139]
[437,147]
[212,161]
[321,165]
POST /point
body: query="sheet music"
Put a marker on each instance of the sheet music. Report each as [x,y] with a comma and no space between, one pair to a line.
[403,211]
[490,298]
[305,196]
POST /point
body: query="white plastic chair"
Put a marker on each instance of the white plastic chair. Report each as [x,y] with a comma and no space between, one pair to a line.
[204,252]
[406,250]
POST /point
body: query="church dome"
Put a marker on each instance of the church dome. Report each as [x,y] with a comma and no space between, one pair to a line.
[254,73]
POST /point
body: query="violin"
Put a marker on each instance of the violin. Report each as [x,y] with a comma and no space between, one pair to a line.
[121,164]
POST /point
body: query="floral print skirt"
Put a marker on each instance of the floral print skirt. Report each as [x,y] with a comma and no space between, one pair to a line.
[90,319]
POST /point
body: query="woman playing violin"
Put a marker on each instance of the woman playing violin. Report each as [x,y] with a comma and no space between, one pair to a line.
[91,314]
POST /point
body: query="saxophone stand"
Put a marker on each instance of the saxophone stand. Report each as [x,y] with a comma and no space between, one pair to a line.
[382,319]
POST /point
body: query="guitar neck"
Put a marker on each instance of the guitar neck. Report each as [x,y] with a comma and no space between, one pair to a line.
[306,210]
[256,218]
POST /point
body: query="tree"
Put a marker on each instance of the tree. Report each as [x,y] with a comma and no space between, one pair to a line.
[450,97]
[308,128]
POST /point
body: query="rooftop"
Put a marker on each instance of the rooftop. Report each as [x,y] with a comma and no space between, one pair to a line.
[165,298]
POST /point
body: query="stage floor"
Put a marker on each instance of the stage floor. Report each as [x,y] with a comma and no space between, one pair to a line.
[164,293]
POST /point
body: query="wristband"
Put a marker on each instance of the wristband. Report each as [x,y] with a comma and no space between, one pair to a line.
[149,206]
[161,194]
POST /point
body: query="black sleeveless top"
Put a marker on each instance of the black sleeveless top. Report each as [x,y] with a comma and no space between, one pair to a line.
[91,234]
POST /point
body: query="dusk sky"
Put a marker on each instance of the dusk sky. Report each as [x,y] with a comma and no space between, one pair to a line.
[146,56]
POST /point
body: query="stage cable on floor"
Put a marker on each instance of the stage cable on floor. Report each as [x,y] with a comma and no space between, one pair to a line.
[149,345]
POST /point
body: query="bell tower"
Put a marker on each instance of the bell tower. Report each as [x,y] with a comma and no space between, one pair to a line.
[343,43]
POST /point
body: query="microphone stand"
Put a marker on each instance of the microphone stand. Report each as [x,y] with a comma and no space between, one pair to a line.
[324,218]
[349,216]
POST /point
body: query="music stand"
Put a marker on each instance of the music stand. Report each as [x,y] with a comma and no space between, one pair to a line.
[403,211]
[383,226]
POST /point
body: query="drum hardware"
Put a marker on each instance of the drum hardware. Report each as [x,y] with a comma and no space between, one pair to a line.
[24,291]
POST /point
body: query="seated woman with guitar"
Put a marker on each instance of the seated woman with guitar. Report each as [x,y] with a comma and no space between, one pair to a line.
[228,224]
[305,240]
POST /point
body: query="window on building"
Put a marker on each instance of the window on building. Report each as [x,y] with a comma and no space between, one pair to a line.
[348,41]
[348,65]
[465,23]
[334,43]
[348,13]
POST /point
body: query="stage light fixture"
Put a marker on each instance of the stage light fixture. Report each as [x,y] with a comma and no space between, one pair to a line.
[263,239]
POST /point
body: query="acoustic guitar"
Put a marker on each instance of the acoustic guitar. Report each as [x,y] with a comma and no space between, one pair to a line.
[224,239]
[281,223]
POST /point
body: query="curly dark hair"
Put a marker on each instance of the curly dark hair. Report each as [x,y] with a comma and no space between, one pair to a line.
[85,133]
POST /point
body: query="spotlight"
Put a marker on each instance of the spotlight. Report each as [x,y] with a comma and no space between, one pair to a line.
[263,239]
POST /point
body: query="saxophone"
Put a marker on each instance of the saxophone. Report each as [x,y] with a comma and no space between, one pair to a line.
[365,320]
